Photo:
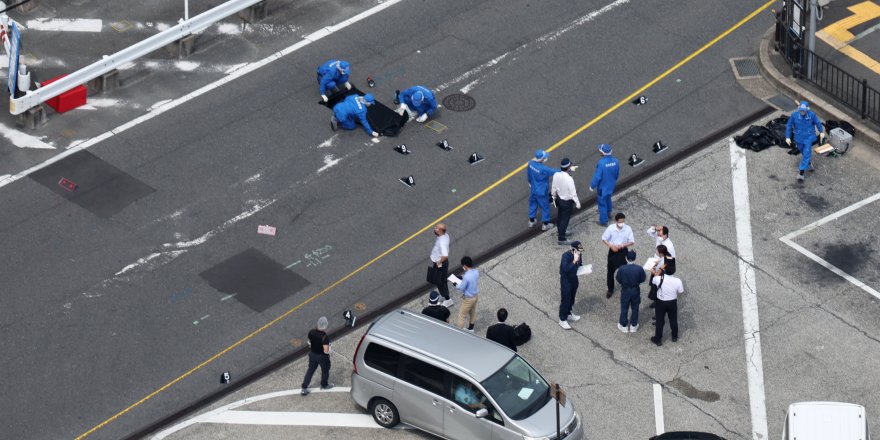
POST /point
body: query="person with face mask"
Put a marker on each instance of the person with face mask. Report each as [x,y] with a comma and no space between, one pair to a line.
[618,237]
[804,124]
[539,175]
[351,110]
[568,283]
[333,74]
[418,102]
[604,181]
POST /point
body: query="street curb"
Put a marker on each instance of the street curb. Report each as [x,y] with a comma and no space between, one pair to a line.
[792,88]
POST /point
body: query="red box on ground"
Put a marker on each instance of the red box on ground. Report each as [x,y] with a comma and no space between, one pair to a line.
[68,100]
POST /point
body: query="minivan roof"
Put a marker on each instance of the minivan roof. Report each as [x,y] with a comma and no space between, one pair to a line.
[826,420]
[475,356]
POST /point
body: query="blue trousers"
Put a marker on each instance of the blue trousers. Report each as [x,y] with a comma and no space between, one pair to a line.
[629,301]
[346,122]
[569,290]
[806,155]
[603,202]
[542,200]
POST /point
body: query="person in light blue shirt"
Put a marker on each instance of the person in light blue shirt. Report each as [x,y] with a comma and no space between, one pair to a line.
[539,176]
[469,290]
[618,237]
[604,181]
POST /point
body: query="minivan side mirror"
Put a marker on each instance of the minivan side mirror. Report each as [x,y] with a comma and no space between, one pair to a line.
[482,413]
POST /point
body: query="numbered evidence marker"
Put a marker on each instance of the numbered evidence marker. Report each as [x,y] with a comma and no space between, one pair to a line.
[266,230]
[349,318]
[225,378]
[640,100]
[408,181]
[444,145]
[475,158]
[659,147]
[402,149]
[67,184]
[635,161]
[370,81]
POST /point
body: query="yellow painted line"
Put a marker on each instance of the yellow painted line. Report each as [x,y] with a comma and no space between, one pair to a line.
[431,225]
[838,35]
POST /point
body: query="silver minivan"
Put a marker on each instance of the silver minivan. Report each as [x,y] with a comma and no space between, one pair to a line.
[414,369]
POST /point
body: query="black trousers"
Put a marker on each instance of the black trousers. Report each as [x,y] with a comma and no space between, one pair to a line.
[564,208]
[315,360]
[442,284]
[615,260]
[664,309]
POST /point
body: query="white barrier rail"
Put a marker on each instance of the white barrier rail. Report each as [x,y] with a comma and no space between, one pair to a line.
[198,23]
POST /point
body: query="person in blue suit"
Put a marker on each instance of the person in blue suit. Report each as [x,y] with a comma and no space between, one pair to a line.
[419,102]
[539,176]
[604,181]
[804,124]
[351,110]
[331,75]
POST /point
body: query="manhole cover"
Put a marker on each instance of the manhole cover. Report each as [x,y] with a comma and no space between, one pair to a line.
[459,102]
[745,67]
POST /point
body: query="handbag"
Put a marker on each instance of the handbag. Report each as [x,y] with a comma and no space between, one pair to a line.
[652,294]
[431,277]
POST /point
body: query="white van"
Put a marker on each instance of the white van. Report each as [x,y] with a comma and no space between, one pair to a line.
[825,421]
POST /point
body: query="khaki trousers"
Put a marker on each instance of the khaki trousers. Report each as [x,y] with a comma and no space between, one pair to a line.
[469,308]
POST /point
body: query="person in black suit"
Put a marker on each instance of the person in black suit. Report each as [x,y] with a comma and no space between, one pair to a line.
[502,333]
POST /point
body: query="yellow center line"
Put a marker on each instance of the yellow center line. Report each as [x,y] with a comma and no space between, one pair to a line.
[431,225]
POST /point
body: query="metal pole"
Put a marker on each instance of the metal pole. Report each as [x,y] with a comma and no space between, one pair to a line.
[811,39]
[186,10]
[557,411]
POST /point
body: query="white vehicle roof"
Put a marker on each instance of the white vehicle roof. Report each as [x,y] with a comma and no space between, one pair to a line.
[827,420]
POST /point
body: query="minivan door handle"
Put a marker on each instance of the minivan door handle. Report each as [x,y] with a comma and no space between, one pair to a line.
[451,409]
[435,402]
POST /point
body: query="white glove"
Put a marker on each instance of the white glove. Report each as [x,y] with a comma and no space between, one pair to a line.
[347,85]
[788,141]
[592,189]
[422,118]
[822,137]
[375,134]
[573,168]
[324,97]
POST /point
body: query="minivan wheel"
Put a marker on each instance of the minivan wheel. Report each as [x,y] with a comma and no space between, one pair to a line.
[384,413]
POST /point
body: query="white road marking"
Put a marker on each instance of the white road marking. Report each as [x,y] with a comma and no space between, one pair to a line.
[789,240]
[65,24]
[22,140]
[749,292]
[286,418]
[235,74]
[329,162]
[658,409]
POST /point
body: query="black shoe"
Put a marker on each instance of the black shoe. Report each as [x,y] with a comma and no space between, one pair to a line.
[675,339]
[305,392]
[608,295]
[329,386]
[656,342]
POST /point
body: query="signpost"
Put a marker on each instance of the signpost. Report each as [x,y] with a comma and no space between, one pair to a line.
[14,46]
[558,395]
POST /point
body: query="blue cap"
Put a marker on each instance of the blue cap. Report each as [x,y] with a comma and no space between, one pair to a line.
[804,106]
[605,148]
[434,297]
[631,255]
[418,97]
[541,154]
[577,245]
[345,67]
[369,99]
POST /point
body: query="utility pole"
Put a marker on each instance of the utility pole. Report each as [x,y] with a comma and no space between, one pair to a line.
[811,38]
[186,10]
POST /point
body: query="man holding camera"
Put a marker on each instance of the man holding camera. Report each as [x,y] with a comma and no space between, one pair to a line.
[571,261]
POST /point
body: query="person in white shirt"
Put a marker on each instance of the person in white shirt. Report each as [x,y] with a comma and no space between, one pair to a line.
[562,190]
[668,289]
[618,237]
[661,234]
[440,260]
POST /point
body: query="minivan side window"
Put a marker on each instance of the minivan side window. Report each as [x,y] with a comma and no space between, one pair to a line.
[382,358]
[470,398]
[423,375]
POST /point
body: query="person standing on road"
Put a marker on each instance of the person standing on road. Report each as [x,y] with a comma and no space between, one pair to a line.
[804,124]
[568,282]
[469,291]
[418,102]
[618,237]
[668,289]
[629,276]
[440,260]
[331,75]
[562,189]
[435,309]
[501,332]
[319,355]
[351,110]
[664,264]
[539,176]
[604,181]
[661,234]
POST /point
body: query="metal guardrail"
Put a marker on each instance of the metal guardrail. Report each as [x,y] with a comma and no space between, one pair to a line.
[185,28]
[849,90]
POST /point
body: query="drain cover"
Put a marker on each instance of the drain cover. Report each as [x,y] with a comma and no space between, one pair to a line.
[745,67]
[459,102]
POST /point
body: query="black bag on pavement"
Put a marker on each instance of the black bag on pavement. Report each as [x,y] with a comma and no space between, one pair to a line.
[523,333]
[846,126]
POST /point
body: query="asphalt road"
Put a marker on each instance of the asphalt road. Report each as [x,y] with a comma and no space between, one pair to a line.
[125,286]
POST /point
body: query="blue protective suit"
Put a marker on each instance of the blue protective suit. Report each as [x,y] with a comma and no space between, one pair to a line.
[351,110]
[801,129]
[604,181]
[329,76]
[539,180]
[428,105]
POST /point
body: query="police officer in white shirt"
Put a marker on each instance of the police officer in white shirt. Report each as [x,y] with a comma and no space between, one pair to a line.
[564,193]
[669,287]
[661,234]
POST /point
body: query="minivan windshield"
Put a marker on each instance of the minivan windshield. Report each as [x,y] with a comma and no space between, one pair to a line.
[518,389]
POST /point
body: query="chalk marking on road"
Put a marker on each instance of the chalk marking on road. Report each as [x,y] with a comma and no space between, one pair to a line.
[749,291]
[658,409]
[329,162]
[65,24]
[23,140]
[228,297]
[235,74]
[789,240]
[461,206]
[292,264]
[198,419]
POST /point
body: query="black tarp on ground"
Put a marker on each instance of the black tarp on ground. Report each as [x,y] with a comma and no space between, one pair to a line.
[384,120]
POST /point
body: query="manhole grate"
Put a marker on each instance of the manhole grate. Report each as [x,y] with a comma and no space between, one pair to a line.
[746,67]
[783,103]
[459,102]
